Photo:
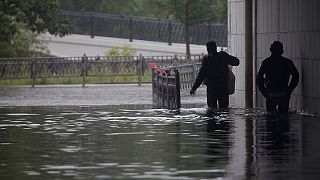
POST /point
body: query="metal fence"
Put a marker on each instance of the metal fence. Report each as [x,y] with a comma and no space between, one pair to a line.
[96,24]
[188,73]
[51,67]
[166,88]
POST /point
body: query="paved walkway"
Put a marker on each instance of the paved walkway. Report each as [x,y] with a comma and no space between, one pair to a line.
[77,45]
[75,95]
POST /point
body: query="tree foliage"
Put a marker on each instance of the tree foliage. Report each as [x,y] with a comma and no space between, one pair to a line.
[214,11]
[38,16]
[24,44]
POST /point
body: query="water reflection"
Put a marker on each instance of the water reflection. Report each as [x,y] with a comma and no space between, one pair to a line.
[141,143]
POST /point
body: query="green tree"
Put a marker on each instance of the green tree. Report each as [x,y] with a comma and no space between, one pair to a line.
[81,5]
[24,44]
[220,11]
[38,16]
[189,12]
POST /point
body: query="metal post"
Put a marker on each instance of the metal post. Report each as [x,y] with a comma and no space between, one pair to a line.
[162,91]
[158,87]
[131,29]
[159,28]
[167,91]
[194,70]
[169,33]
[177,89]
[92,25]
[255,52]
[140,69]
[33,73]
[153,84]
[84,70]
[248,55]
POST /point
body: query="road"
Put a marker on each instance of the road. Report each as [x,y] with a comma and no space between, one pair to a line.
[77,45]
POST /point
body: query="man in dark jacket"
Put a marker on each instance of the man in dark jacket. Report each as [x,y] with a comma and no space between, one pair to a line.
[214,70]
[273,79]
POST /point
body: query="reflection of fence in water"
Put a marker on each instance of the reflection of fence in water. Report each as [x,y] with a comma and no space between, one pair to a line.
[166,88]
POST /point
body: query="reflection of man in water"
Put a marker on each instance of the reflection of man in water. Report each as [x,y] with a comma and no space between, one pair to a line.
[214,70]
[273,79]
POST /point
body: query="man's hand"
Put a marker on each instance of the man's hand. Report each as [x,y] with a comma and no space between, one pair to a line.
[192,92]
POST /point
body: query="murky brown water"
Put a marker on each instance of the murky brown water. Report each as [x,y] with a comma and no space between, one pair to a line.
[138,142]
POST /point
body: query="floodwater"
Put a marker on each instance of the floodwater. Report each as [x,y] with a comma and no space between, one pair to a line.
[139,142]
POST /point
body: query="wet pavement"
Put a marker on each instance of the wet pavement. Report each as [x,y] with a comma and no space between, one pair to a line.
[113,132]
[91,95]
[137,142]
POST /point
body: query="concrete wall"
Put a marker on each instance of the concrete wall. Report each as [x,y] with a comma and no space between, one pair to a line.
[296,23]
[236,27]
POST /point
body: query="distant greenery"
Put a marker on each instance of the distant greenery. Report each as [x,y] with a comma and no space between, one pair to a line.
[21,21]
[150,8]
[125,50]
[24,44]
[36,16]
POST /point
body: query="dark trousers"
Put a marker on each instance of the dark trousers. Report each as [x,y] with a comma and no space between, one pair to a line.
[281,102]
[215,96]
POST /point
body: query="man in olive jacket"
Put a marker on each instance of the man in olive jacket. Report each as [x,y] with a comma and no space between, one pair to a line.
[273,79]
[214,71]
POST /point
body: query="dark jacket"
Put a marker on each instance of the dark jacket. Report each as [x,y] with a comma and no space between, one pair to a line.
[214,70]
[274,74]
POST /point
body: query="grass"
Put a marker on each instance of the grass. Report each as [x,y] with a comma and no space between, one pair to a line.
[77,80]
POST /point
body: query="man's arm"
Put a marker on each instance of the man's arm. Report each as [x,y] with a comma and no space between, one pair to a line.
[261,80]
[200,77]
[232,60]
[295,78]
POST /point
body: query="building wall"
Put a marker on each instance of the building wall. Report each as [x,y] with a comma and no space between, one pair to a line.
[236,30]
[296,23]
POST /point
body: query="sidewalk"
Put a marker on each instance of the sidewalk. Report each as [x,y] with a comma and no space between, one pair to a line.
[77,45]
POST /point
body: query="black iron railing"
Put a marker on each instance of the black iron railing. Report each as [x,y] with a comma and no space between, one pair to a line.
[96,24]
[166,88]
[55,67]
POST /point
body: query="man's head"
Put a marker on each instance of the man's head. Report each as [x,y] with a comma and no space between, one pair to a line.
[211,47]
[276,48]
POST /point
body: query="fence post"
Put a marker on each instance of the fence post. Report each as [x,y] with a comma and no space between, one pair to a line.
[167,91]
[158,87]
[84,70]
[169,33]
[177,89]
[159,28]
[33,73]
[153,83]
[131,29]
[92,25]
[140,69]
[194,71]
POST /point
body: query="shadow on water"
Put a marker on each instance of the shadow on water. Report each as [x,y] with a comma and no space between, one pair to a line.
[139,142]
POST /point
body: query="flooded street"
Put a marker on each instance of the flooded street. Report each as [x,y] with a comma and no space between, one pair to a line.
[114,132]
[139,142]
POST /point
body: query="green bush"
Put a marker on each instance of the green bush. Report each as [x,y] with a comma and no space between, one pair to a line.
[125,50]
[24,44]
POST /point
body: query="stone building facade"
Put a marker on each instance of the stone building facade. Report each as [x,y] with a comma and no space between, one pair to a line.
[296,23]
